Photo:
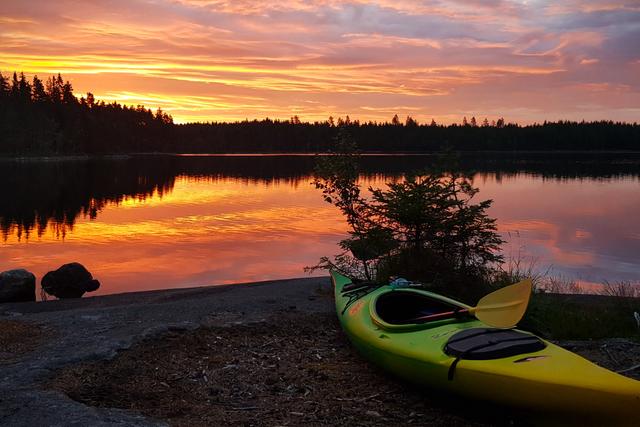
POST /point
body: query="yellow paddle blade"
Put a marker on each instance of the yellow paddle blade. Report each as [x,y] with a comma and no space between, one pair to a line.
[505,307]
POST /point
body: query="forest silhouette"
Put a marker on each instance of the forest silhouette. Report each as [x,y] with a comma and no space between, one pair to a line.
[46,118]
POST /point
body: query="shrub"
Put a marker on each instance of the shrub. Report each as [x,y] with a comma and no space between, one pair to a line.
[425,228]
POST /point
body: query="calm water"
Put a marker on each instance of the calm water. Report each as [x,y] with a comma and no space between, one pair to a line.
[166,222]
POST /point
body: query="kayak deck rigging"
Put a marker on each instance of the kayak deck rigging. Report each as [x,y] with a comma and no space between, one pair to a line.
[488,344]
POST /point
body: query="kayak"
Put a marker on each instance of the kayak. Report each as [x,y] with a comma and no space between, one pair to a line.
[463,356]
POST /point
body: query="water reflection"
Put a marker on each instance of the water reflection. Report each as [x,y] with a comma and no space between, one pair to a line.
[142,223]
[583,228]
[41,195]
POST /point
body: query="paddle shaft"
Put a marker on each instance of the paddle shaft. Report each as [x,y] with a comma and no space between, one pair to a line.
[440,316]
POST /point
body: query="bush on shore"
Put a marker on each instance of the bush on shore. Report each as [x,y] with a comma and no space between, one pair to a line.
[425,228]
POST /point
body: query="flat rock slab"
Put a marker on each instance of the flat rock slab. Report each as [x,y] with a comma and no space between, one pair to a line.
[97,328]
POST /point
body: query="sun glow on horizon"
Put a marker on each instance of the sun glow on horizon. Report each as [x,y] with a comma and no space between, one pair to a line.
[219,61]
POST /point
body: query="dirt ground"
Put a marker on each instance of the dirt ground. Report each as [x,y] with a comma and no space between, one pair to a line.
[292,369]
[297,369]
[17,338]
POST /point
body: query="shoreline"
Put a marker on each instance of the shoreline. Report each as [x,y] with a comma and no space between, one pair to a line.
[98,328]
[128,155]
[122,334]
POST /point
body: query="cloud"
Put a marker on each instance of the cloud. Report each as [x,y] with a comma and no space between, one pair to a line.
[236,59]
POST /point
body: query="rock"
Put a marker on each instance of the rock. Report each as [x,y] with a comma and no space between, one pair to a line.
[17,286]
[69,281]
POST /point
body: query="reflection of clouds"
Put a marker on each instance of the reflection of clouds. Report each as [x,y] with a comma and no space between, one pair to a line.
[230,230]
[201,233]
[230,60]
[584,229]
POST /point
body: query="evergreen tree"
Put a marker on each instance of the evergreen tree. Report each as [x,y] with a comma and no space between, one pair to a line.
[90,100]
[425,228]
[410,122]
[39,93]
[67,93]
[4,85]
[54,89]
[15,86]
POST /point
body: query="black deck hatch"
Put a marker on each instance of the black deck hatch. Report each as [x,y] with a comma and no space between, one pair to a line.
[491,343]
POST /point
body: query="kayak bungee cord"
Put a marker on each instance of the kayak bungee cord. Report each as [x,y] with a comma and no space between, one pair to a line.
[356,292]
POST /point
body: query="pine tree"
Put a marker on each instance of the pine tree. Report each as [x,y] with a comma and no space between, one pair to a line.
[39,95]
[15,86]
[54,89]
[4,86]
[91,100]
[67,94]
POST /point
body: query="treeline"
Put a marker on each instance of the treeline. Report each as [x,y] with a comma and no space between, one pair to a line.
[39,117]
[45,117]
[293,136]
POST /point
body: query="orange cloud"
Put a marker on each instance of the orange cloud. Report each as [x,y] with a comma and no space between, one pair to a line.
[229,60]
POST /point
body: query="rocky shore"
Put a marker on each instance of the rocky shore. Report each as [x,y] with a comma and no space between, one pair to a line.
[268,353]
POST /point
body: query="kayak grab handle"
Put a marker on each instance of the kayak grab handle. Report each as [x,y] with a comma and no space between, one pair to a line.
[440,316]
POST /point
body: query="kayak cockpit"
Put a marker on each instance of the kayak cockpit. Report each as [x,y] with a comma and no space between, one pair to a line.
[402,308]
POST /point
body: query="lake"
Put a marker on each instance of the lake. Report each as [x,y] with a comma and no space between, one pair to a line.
[156,222]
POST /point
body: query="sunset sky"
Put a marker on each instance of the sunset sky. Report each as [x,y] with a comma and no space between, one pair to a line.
[204,60]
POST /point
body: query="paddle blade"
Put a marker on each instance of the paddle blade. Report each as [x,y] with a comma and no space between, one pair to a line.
[505,307]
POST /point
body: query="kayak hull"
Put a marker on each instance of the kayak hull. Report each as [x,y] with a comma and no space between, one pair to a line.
[552,380]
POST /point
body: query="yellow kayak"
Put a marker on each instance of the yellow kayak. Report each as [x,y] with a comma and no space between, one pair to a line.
[467,357]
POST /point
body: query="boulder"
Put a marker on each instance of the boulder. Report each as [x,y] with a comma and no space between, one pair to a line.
[17,286]
[69,281]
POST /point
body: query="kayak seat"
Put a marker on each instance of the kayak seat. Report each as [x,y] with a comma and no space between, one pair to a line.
[491,343]
[402,308]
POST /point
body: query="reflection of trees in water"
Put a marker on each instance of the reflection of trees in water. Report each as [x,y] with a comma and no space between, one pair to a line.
[37,196]
[558,166]
[295,168]
[41,195]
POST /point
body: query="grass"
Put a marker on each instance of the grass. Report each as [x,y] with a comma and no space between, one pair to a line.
[561,309]
[582,317]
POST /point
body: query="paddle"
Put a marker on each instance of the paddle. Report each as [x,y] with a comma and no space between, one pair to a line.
[502,308]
